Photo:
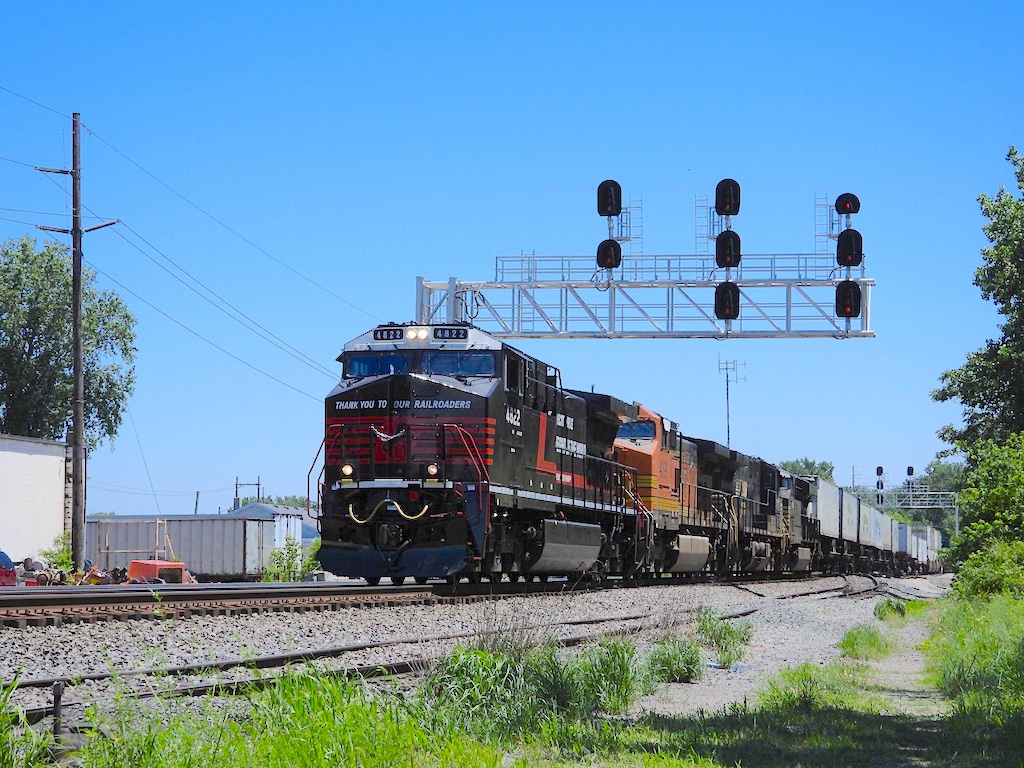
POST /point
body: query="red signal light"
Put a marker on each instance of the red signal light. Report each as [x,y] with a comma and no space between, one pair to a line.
[847,203]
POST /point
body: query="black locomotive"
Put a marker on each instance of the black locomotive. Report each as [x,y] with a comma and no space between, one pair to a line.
[450,454]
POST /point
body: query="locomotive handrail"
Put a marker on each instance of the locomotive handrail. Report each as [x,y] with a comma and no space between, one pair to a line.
[309,475]
[481,468]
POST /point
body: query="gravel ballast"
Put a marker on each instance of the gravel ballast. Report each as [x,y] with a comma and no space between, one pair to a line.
[785,632]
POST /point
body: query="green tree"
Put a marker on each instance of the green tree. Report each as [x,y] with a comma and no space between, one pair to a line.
[944,476]
[806,466]
[988,385]
[36,363]
[992,501]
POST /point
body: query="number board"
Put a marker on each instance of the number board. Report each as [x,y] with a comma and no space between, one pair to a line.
[451,333]
[388,334]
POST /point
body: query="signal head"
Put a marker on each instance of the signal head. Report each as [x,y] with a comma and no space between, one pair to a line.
[847,203]
[727,301]
[850,248]
[848,299]
[727,249]
[727,197]
[609,198]
[609,254]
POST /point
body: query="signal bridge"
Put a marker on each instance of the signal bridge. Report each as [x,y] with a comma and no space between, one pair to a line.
[785,295]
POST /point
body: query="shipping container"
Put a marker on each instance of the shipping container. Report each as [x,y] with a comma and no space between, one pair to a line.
[877,534]
[34,495]
[851,518]
[229,547]
[826,507]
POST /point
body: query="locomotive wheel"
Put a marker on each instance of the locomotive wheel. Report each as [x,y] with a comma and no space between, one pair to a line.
[398,580]
[420,579]
[373,581]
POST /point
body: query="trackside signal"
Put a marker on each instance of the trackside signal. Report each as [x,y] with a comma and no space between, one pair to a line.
[850,248]
[609,254]
[847,203]
[727,197]
[848,299]
[727,301]
[609,198]
[727,249]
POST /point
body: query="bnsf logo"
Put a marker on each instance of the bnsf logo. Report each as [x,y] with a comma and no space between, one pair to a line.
[514,416]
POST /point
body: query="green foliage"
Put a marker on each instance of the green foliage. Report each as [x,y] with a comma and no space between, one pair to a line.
[995,569]
[865,642]
[611,671]
[291,562]
[676,661]
[988,384]
[20,746]
[36,365]
[725,638]
[889,608]
[992,502]
[978,654]
[807,466]
[59,556]
[303,720]
[808,686]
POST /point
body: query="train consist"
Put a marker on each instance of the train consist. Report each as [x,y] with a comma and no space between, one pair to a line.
[449,454]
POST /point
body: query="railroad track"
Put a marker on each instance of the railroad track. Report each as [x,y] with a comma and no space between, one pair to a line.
[153,682]
[54,606]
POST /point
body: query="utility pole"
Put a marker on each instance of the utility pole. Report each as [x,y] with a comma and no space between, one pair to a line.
[731,372]
[78,398]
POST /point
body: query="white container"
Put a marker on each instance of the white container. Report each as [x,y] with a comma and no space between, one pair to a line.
[34,495]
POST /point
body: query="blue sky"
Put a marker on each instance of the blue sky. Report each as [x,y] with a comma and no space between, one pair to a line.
[365,144]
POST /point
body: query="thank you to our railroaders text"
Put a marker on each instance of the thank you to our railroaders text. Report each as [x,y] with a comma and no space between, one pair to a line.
[354,405]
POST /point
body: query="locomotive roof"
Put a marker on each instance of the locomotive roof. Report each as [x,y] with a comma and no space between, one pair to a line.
[424,336]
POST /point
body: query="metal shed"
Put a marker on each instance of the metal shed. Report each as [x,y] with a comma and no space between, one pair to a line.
[228,547]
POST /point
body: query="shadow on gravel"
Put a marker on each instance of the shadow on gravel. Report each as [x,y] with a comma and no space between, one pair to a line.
[828,738]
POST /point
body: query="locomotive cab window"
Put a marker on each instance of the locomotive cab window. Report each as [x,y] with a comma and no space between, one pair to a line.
[513,374]
[359,364]
[458,363]
[637,430]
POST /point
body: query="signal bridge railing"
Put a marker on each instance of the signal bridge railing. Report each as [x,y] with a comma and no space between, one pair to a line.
[781,296]
[700,268]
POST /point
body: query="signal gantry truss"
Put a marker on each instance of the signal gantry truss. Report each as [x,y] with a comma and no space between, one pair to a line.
[565,297]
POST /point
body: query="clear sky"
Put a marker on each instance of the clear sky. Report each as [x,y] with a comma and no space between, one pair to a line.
[364,144]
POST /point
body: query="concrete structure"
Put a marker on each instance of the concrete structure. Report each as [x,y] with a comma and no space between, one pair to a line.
[34,495]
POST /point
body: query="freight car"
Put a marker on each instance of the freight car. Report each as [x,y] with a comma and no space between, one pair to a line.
[449,454]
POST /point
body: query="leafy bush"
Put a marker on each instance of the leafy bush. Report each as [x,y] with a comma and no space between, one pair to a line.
[59,556]
[676,661]
[997,568]
[865,642]
[291,562]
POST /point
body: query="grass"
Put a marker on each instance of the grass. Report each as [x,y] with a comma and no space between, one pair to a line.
[506,703]
[725,638]
[20,746]
[676,661]
[865,642]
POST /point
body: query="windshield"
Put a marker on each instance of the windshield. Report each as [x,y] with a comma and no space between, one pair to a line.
[450,363]
[431,362]
[636,430]
[358,364]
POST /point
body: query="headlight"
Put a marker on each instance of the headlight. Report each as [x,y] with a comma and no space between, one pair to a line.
[432,470]
[417,334]
[347,470]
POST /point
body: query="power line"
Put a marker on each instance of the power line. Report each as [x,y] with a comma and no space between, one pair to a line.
[206,213]
[295,353]
[274,339]
[203,338]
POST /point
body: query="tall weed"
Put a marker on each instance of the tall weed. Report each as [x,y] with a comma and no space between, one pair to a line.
[20,746]
[676,661]
[725,638]
[865,642]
